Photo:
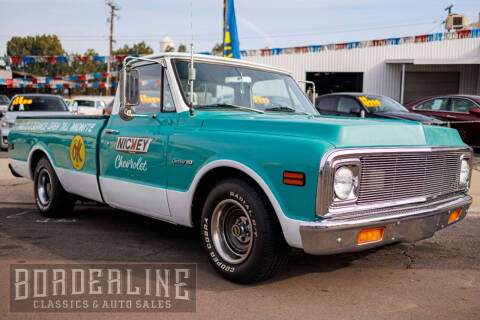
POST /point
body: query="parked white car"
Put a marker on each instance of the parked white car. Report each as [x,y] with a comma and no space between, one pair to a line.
[87,106]
[30,105]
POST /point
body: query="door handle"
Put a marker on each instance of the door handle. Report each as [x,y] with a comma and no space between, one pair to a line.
[451,117]
[111,131]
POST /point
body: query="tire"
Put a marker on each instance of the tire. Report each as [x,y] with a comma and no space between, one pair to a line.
[241,233]
[51,199]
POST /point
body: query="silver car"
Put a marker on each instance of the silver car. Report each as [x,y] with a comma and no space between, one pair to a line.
[32,105]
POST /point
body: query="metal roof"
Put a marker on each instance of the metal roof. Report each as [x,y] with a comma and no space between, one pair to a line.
[455,61]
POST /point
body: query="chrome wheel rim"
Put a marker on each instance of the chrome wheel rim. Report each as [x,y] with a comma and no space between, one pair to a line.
[44,187]
[231,230]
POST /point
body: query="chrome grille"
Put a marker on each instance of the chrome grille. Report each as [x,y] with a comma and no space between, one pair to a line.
[393,177]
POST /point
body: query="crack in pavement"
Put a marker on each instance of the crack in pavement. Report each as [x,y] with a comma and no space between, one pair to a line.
[410,257]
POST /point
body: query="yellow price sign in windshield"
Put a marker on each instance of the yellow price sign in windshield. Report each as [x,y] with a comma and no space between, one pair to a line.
[21,100]
[147,99]
[370,103]
[260,100]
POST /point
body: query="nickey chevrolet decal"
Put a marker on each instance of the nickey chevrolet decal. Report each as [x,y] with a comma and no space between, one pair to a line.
[133,145]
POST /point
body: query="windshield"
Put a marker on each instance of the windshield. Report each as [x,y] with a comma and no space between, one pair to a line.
[4,100]
[228,86]
[378,104]
[32,103]
[82,103]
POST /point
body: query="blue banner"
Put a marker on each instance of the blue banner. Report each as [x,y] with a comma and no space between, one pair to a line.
[231,46]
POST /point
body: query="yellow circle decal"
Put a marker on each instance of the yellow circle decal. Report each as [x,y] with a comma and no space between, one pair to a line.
[77,152]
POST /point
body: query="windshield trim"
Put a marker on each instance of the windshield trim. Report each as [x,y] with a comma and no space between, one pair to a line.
[182,91]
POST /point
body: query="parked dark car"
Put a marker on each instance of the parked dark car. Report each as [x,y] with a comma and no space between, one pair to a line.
[370,105]
[453,108]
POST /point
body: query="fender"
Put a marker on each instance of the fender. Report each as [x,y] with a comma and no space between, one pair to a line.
[75,182]
[181,209]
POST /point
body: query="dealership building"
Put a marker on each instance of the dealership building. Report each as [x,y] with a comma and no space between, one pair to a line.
[405,68]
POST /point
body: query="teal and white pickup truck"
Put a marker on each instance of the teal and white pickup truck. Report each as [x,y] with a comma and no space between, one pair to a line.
[236,149]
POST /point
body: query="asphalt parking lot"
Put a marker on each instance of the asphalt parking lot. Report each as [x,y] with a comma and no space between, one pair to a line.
[438,278]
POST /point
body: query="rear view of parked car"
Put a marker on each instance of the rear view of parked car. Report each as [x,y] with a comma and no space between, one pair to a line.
[461,111]
[87,106]
[367,105]
[32,105]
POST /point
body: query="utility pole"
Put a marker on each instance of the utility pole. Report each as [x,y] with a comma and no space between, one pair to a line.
[113,15]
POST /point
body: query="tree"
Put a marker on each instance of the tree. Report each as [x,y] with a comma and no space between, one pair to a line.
[40,45]
[182,48]
[43,45]
[217,50]
[169,49]
[137,48]
[87,67]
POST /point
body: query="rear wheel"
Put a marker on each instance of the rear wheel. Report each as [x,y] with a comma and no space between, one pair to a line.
[51,199]
[241,233]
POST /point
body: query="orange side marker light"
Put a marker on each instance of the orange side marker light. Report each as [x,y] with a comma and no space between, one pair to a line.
[370,235]
[455,215]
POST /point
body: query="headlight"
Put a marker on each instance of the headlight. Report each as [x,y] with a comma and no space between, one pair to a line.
[6,124]
[345,183]
[464,173]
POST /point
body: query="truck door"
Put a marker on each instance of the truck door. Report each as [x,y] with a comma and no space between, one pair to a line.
[133,153]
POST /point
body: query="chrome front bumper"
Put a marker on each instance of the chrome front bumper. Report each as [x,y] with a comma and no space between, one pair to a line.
[402,224]
[4,138]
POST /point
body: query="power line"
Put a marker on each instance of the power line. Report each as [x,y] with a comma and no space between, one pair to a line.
[213,36]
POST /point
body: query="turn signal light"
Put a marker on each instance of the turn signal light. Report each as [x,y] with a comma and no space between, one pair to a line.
[370,235]
[455,215]
[294,178]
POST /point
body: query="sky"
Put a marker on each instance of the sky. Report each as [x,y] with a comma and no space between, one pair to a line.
[83,24]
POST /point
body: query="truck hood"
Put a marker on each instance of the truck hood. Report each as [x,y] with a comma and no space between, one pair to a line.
[338,131]
[12,116]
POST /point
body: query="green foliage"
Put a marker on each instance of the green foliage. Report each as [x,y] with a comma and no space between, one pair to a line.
[182,48]
[137,48]
[87,67]
[43,45]
[218,49]
[169,49]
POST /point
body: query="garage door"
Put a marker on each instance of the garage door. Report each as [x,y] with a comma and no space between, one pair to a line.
[423,84]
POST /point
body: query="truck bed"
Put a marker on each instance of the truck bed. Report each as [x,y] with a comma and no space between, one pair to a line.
[61,139]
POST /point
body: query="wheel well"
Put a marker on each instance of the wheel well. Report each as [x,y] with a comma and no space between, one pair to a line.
[210,179]
[36,156]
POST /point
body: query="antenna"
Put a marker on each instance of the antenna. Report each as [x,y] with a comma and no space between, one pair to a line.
[191,70]
[449,9]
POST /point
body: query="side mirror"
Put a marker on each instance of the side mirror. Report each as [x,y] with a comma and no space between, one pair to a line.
[132,88]
[130,93]
[474,111]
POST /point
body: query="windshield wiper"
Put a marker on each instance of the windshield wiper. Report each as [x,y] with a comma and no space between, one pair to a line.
[227,105]
[285,109]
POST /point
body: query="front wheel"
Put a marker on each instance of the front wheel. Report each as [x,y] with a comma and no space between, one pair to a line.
[241,233]
[51,199]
